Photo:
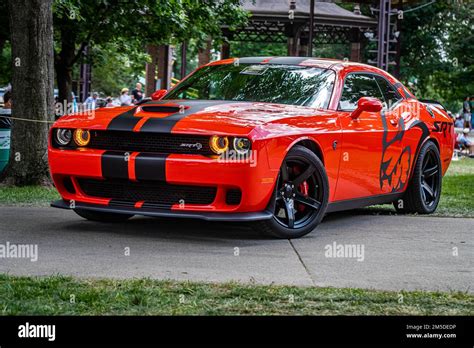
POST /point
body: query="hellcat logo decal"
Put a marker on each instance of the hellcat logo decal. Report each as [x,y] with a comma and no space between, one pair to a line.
[395,173]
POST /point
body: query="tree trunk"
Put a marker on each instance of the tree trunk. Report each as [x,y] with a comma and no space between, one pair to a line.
[31,24]
[150,79]
[204,53]
[63,63]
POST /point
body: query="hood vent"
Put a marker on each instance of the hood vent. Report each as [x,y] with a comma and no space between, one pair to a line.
[164,109]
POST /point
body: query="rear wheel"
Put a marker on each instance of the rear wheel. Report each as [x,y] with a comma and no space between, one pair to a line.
[300,198]
[424,191]
[102,216]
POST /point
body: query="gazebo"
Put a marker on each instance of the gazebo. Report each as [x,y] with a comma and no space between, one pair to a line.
[301,27]
[281,21]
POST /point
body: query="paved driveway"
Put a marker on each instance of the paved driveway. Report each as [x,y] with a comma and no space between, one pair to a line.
[399,252]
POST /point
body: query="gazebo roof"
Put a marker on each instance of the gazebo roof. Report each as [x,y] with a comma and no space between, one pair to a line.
[325,13]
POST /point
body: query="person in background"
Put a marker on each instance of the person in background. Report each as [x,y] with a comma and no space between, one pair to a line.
[465,142]
[459,122]
[137,93]
[466,110]
[5,130]
[6,112]
[125,99]
[472,113]
[110,102]
[91,102]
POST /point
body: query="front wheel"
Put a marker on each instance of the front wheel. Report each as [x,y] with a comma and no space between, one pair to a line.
[300,198]
[424,191]
[102,216]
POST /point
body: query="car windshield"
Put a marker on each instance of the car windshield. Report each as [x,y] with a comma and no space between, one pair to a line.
[282,84]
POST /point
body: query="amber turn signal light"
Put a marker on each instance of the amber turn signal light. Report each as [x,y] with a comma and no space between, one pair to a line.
[82,137]
[219,144]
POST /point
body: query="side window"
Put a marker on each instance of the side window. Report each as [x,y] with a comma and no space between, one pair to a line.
[389,92]
[355,87]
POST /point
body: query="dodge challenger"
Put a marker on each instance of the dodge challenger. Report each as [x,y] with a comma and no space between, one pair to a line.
[277,142]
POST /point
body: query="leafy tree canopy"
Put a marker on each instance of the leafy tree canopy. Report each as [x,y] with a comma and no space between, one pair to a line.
[437,51]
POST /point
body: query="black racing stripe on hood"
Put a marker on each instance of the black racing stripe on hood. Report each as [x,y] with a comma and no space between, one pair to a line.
[114,164]
[124,122]
[166,124]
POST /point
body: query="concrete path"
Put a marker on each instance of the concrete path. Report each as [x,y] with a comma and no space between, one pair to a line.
[399,252]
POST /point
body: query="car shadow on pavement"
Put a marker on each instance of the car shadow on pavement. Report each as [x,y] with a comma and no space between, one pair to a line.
[193,229]
[169,229]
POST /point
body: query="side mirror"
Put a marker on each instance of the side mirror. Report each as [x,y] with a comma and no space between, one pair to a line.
[367,104]
[157,95]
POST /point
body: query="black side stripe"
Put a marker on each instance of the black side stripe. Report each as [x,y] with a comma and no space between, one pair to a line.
[150,167]
[114,165]
[425,132]
[166,124]
[124,122]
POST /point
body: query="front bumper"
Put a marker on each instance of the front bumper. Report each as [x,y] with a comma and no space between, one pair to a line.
[202,215]
[254,180]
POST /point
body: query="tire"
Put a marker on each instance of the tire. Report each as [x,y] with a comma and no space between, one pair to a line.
[424,190]
[302,188]
[102,216]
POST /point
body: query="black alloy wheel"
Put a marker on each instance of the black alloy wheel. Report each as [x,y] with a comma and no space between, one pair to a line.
[301,195]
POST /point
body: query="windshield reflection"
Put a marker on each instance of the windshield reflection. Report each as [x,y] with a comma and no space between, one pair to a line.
[282,84]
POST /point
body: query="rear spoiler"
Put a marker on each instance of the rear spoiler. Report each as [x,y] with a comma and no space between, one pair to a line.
[434,103]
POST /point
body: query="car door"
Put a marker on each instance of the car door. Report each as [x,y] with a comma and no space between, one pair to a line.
[362,141]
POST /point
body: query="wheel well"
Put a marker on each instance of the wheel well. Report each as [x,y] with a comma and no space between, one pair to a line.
[313,146]
[435,141]
[427,139]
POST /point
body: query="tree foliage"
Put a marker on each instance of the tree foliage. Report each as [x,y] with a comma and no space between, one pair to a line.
[79,23]
[437,47]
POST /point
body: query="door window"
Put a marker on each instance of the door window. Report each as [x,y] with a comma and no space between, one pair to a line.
[390,94]
[357,86]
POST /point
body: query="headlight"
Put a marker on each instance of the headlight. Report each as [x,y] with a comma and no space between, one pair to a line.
[241,145]
[219,144]
[63,136]
[82,137]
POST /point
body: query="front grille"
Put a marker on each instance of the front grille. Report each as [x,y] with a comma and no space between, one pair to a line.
[150,142]
[156,193]
[233,197]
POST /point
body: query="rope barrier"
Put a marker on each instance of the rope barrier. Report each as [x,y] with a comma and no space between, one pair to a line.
[26,119]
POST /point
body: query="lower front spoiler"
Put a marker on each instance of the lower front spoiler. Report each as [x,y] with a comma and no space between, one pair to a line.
[209,216]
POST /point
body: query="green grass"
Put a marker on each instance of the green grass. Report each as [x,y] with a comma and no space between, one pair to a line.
[52,296]
[27,195]
[456,198]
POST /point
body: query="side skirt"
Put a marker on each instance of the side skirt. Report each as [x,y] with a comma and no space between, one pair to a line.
[363,202]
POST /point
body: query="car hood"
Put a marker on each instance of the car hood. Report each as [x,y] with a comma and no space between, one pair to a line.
[187,116]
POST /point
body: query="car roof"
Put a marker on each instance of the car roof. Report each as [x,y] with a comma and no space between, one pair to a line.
[325,63]
[306,61]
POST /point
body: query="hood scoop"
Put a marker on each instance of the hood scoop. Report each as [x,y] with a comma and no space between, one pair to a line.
[162,109]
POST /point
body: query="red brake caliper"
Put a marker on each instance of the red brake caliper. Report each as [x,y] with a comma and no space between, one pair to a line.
[303,188]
